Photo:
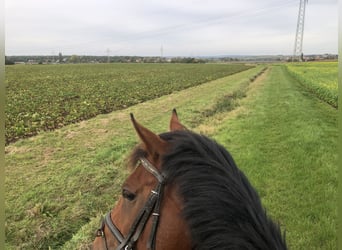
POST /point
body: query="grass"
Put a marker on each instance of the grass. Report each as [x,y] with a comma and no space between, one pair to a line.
[230,101]
[60,183]
[286,142]
[318,77]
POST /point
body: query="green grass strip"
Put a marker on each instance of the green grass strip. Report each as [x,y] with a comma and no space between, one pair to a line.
[286,142]
[318,77]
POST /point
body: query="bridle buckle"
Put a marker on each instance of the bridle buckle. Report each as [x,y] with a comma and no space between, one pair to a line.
[99,233]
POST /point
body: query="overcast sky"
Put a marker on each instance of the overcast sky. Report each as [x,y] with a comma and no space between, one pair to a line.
[172,27]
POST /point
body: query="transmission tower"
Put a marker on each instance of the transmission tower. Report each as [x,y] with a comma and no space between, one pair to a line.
[298,52]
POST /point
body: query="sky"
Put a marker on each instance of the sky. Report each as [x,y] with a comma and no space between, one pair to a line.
[167,28]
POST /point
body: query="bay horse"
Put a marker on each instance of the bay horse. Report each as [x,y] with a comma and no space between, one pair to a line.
[185,192]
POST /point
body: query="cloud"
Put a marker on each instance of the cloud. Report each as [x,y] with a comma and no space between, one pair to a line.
[134,27]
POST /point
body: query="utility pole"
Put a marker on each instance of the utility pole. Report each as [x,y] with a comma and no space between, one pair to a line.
[108,51]
[161,52]
[53,56]
[298,46]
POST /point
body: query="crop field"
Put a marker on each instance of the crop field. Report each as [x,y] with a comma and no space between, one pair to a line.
[45,97]
[319,77]
[60,183]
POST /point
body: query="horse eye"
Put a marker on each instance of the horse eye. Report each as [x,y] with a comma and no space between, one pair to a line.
[128,195]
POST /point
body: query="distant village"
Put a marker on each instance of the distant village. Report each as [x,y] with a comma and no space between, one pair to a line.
[61,59]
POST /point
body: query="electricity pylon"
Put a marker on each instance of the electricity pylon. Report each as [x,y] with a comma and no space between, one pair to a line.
[298,47]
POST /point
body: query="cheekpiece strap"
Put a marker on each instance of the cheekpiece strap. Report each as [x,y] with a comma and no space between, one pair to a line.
[115,231]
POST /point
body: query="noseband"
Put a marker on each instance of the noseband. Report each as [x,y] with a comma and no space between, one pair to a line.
[152,206]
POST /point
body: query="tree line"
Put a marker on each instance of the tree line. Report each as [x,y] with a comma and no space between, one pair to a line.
[60,59]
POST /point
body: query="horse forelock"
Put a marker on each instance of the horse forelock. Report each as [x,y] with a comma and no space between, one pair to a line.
[134,157]
[221,207]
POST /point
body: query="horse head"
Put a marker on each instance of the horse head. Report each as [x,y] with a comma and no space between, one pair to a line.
[148,215]
[186,192]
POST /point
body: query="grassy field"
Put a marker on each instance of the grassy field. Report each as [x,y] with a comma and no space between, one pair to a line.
[319,77]
[59,183]
[287,145]
[71,177]
[45,97]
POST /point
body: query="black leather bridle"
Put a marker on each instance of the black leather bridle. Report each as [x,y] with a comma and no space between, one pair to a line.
[152,206]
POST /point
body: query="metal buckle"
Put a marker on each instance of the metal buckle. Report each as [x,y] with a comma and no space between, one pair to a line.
[99,233]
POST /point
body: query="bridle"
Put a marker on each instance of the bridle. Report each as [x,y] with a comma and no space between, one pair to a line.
[152,206]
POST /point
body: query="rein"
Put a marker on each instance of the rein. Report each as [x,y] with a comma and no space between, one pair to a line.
[151,207]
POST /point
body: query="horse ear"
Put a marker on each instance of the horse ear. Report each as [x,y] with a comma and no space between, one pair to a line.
[155,146]
[174,122]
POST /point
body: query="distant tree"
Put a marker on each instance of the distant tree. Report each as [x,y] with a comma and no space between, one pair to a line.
[60,57]
[74,59]
[8,61]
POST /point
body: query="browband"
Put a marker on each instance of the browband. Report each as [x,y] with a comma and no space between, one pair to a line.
[150,168]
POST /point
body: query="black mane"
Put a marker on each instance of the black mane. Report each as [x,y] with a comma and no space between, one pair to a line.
[221,207]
